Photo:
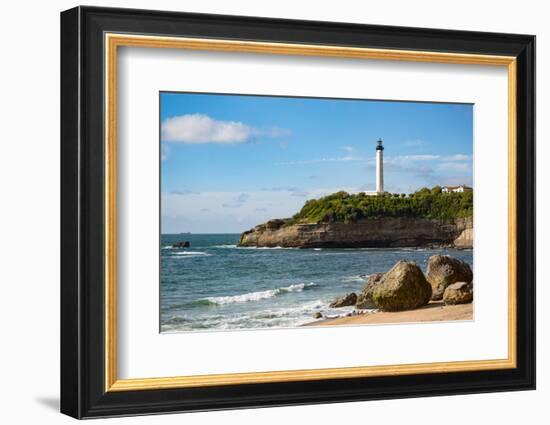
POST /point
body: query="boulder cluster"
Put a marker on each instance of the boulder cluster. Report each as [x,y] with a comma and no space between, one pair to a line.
[405,287]
[443,271]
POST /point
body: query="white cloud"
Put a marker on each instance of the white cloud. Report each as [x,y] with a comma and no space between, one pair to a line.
[199,128]
[237,201]
[427,157]
[458,157]
[399,159]
[294,191]
[417,157]
[315,161]
[454,166]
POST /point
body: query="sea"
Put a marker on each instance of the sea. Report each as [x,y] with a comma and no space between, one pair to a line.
[215,285]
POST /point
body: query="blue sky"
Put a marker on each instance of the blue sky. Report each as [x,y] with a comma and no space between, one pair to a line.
[230,162]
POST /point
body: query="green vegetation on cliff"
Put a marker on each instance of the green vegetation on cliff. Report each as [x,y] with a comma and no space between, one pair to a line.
[425,203]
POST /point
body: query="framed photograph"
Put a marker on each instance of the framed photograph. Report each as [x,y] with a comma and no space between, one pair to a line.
[261,212]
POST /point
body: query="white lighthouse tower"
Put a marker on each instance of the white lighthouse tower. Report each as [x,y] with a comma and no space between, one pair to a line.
[379,167]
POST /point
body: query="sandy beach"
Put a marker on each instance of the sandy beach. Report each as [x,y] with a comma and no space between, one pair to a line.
[434,311]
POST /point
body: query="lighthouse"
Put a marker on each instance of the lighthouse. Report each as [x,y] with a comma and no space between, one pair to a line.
[379,167]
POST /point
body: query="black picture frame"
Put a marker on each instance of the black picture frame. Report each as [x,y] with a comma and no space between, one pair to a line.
[83,392]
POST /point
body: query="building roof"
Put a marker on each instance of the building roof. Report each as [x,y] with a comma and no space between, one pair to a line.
[456,187]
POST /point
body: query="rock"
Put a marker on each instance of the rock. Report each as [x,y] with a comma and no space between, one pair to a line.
[444,270]
[275,224]
[403,287]
[464,233]
[372,280]
[318,315]
[364,299]
[182,244]
[459,293]
[386,232]
[465,239]
[348,299]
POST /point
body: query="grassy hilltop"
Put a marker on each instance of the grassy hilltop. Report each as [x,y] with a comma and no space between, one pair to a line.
[424,203]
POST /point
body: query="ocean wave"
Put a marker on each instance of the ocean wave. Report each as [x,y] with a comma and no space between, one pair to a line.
[294,311]
[355,278]
[290,316]
[225,246]
[285,317]
[259,295]
[175,320]
[274,317]
[194,253]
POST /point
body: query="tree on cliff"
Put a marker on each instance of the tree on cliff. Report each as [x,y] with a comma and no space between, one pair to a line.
[425,203]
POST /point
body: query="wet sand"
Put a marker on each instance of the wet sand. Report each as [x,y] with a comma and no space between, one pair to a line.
[434,311]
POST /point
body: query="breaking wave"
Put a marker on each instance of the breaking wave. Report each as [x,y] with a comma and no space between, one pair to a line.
[194,253]
[259,295]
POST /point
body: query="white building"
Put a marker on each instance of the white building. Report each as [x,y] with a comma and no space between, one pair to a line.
[455,189]
[379,170]
[379,167]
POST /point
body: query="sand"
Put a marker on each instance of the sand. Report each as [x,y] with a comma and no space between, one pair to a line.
[434,311]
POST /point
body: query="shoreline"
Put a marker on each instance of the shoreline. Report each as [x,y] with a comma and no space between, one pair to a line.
[435,311]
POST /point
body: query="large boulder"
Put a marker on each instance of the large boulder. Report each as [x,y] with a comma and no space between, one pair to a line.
[459,293]
[346,300]
[403,287]
[444,270]
[364,299]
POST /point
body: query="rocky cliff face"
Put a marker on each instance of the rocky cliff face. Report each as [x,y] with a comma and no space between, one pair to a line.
[466,237]
[371,233]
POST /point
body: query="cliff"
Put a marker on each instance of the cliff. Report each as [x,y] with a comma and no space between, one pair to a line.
[364,233]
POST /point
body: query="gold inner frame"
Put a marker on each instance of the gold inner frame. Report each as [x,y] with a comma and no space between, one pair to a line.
[113,41]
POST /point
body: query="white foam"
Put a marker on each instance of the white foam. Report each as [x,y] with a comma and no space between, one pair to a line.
[274,317]
[259,295]
[194,253]
[297,287]
[251,296]
[356,278]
